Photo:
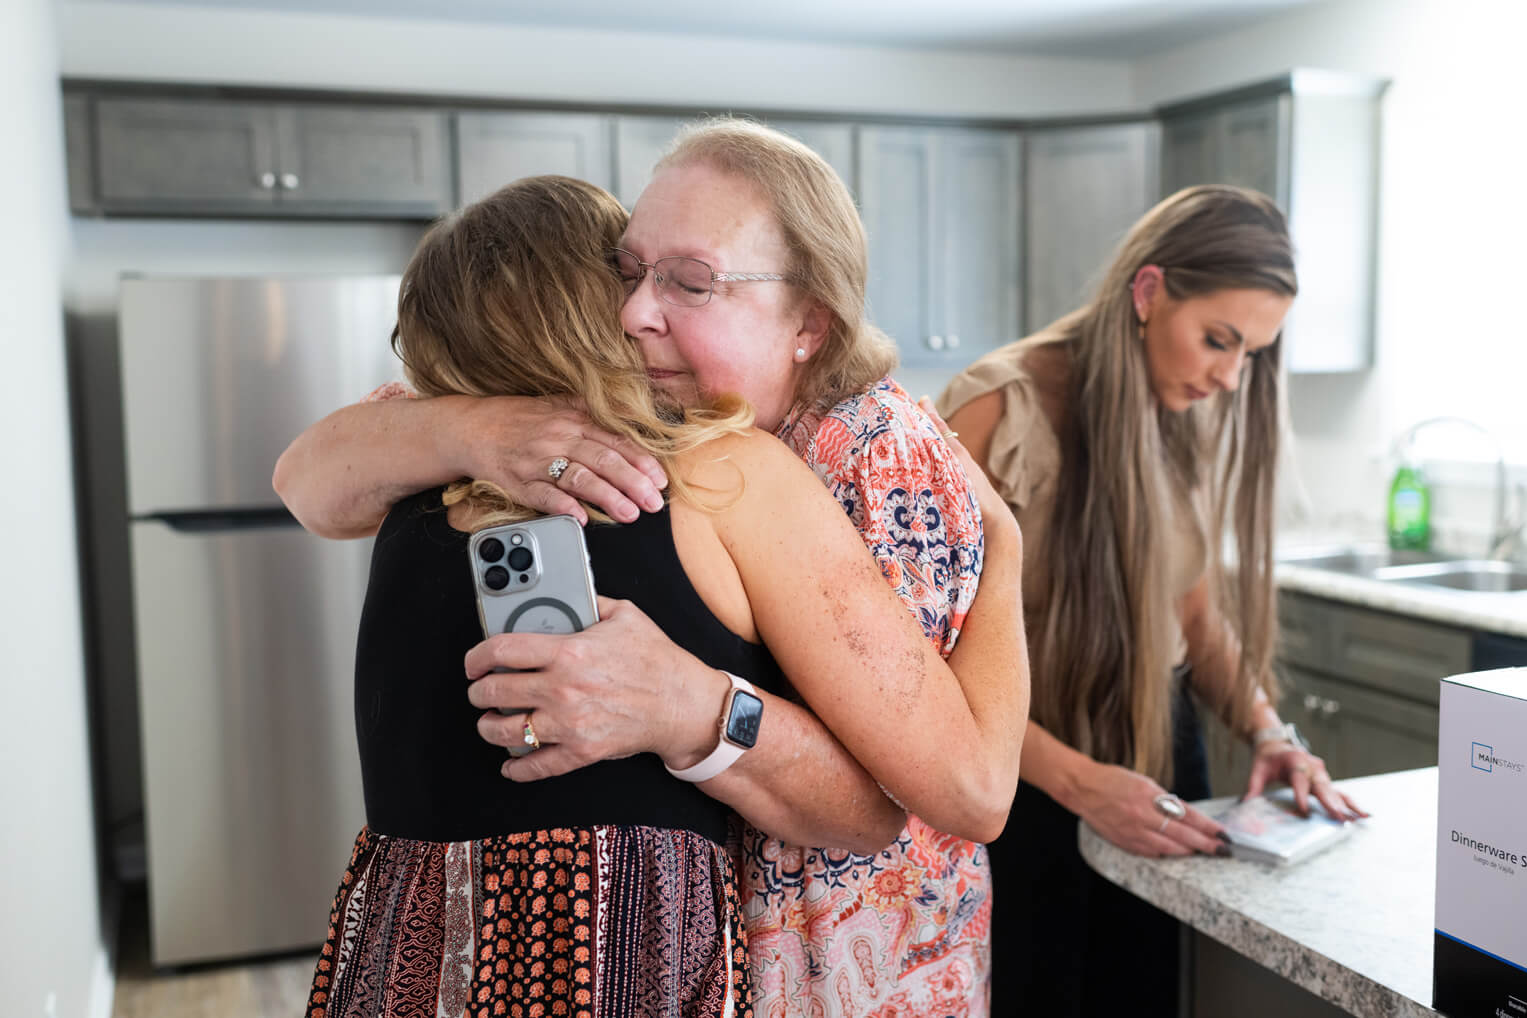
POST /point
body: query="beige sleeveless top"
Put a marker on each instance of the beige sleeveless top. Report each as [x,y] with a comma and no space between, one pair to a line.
[1024,462]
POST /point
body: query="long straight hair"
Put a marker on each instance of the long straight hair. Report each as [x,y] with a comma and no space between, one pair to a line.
[1104,653]
[515,295]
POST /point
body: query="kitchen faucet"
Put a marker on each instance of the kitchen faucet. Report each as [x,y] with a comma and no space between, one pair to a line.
[1503,534]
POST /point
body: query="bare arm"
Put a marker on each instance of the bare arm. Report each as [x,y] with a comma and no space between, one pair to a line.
[342,475]
[842,636]
[1216,657]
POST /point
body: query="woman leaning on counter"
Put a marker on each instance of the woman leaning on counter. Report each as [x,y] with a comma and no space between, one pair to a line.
[1127,437]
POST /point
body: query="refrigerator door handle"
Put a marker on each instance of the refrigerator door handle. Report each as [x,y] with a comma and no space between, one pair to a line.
[211,521]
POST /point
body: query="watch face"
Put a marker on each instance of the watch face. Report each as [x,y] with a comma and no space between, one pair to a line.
[743,719]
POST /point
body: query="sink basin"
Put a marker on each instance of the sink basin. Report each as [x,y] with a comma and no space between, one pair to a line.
[1359,560]
[1485,576]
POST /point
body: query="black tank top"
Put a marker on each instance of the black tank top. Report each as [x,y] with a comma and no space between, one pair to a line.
[426,772]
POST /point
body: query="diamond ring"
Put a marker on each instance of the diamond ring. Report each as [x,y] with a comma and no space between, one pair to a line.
[557,467]
[1171,807]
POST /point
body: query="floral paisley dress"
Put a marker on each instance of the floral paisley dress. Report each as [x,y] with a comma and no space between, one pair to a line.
[904,932]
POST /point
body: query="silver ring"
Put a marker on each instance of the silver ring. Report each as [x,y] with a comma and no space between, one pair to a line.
[1171,807]
[557,468]
[1164,822]
[951,434]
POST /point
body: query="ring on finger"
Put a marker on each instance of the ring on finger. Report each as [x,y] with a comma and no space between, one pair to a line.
[1300,768]
[530,735]
[951,434]
[1169,806]
[1164,822]
[556,468]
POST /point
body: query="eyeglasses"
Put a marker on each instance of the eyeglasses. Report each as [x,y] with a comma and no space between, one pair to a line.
[685,282]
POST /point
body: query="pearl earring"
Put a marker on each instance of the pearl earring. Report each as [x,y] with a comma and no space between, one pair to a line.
[800,353]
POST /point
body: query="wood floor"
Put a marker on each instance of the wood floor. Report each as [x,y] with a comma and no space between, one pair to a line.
[267,988]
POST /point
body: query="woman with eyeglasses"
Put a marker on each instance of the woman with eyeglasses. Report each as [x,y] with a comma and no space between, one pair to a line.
[744,262]
[1130,437]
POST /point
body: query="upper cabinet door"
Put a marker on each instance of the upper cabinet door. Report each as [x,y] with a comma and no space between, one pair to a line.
[1084,188]
[356,161]
[1190,152]
[1255,146]
[833,142]
[493,149]
[173,155]
[639,143]
[978,285]
[896,189]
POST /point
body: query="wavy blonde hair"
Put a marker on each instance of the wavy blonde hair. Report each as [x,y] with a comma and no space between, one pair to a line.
[1104,654]
[824,237]
[515,295]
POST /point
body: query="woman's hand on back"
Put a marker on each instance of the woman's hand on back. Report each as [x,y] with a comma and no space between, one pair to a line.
[513,442]
[1120,804]
[618,688]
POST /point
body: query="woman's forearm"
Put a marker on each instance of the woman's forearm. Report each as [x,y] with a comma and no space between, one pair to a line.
[342,475]
[1055,768]
[800,785]
[990,660]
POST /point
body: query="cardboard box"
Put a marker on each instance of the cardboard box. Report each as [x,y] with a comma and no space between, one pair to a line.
[1480,953]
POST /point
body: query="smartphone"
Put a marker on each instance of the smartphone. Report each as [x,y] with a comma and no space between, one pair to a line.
[533,577]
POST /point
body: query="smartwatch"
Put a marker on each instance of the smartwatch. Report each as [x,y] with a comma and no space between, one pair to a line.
[740,716]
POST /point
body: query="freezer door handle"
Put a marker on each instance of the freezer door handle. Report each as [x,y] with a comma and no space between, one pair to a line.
[212,521]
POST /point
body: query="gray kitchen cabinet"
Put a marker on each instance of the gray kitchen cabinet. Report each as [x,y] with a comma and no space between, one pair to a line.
[344,160]
[1310,141]
[1084,187]
[640,142]
[494,149]
[1362,686]
[942,210]
[224,157]
[172,155]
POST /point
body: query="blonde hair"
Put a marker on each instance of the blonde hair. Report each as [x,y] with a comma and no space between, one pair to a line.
[515,295]
[823,235]
[1104,654]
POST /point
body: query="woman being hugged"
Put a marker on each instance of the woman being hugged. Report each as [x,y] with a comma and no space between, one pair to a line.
[1130,438]
[744,264]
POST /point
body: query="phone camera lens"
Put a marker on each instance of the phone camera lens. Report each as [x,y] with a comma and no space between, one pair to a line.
[491,550]
[520,559]
[496,578]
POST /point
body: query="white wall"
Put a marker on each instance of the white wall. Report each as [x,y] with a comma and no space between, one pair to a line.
[1451,271]
[180,43]
[51,936]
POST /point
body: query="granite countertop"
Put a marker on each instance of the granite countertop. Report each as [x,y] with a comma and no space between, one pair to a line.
[1353,925]
[1494,613]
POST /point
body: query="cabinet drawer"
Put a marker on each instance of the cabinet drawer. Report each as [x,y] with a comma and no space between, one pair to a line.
[1401,655]
[1303,631]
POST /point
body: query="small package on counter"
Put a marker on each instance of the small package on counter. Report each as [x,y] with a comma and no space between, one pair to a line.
[1480,953]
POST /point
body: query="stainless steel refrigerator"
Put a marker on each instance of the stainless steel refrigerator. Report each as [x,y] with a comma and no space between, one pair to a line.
[245,624]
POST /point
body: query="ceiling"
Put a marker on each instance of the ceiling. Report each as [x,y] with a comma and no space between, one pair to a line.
[1098,29]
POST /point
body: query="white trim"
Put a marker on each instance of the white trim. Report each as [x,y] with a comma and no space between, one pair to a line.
[103,977]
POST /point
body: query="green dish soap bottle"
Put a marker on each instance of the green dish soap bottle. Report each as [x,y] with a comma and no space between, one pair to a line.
[1410,509]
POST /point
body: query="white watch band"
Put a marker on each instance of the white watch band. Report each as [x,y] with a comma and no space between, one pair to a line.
[726,752]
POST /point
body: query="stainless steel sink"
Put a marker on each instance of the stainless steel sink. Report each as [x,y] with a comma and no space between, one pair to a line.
[1359,560]
[1481,575]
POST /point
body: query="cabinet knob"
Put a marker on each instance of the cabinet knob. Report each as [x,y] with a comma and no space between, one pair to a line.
[954,342]
[1311,702]
[290,181]
[266,180]
[1329,707]
[935,342]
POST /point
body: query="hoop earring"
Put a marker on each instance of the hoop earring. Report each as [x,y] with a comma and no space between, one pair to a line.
[1140,330]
